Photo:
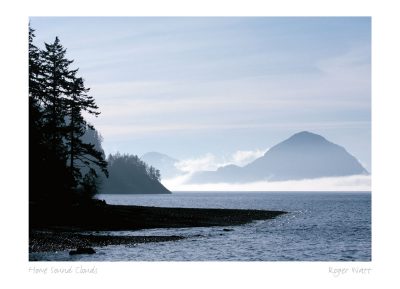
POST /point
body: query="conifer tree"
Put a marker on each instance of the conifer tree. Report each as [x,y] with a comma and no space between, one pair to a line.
[58,77]
[56,74]
[57,99]
[79,151]
[37,149]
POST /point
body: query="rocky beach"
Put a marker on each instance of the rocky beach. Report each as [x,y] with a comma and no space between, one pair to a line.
[76,227]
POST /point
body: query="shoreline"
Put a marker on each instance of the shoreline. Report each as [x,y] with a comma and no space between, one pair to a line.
[99,216]
[59,228]
[53,241]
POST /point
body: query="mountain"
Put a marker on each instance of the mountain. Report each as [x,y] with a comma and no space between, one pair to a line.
[304,155]
[162,162]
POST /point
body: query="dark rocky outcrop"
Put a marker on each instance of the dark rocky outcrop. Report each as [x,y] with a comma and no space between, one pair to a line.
[82,250]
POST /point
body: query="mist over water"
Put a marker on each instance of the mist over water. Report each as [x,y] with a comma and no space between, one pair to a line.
[319,226]
[353,183]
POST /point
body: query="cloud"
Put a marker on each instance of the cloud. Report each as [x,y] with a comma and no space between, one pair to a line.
[127,89]
[209,162]
[354,62]
[339,83]
[242,158]
[115,130]
[348,183]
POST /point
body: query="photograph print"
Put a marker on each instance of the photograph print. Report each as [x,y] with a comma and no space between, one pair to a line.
[199,138]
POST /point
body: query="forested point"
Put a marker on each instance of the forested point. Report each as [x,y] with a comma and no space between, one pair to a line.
[130,175]
[67,165]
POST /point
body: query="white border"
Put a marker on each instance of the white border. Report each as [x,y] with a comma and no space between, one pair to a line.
[385,159]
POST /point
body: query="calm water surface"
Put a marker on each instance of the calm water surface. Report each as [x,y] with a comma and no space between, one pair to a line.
[323,226]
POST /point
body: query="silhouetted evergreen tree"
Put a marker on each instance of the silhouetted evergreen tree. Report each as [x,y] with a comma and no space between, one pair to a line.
[45,167]
[57,98]
[37,149]
[85,153]
[35,70]
[57,78]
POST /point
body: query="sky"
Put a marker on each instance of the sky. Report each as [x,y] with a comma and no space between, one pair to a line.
[196,88]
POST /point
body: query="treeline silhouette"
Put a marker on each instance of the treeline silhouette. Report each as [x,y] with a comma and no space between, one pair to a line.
[130,175]
[66,162]
[57,100]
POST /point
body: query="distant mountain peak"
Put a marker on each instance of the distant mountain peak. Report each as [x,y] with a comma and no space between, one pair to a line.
[155,155]
[305,133]
[306,136]
[304,155]
[163,162]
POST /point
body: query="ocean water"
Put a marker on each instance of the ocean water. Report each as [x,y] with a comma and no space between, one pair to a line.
[319,226]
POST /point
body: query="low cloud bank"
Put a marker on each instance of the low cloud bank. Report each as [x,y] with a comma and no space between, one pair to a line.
[210,162]
[348,183]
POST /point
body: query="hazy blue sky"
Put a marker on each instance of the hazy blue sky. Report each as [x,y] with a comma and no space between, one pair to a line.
[190,87]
